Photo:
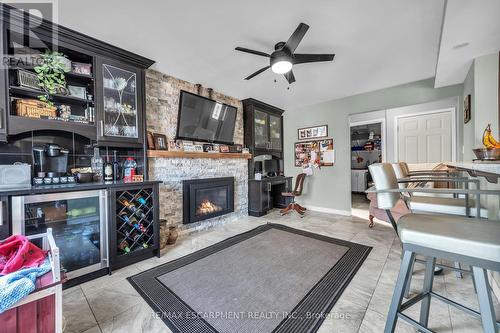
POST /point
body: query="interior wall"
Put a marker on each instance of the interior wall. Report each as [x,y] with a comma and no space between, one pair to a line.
[468,129]
[485,109]
[327,188]
[482,84]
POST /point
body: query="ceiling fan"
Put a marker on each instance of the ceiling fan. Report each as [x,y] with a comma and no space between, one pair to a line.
[283,58]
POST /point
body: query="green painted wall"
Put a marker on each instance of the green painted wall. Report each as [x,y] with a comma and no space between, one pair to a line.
[485,95]
[330,187]
[468,129]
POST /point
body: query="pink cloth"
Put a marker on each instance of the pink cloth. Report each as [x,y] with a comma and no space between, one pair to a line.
[18,252]
[399,209]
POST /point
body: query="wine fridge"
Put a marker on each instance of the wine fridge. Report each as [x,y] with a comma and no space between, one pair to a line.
[79,225]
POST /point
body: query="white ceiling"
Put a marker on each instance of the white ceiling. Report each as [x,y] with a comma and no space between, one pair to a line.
[470,29]
[377,43]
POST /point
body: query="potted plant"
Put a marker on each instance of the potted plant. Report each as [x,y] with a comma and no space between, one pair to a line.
[51,75]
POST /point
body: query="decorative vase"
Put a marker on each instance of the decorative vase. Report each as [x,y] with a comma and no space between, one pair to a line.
[172,237]
[163,236]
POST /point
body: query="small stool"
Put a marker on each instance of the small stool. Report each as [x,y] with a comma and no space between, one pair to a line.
[470,241]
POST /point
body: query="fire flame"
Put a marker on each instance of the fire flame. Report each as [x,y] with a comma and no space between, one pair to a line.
[207,207]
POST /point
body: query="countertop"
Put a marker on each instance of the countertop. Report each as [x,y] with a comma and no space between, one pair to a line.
[481,166]
[71,187]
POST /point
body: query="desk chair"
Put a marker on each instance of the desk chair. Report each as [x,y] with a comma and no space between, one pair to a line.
[299,183]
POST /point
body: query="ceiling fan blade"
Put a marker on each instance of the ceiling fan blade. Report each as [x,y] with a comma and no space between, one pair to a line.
[300,58]
[296,37]
[242,49]
[289,77]
[257,73]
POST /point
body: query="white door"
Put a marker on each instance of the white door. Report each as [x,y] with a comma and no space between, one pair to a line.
[425,138]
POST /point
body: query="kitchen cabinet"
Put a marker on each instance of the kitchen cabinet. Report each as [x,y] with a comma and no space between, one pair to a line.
[120,106]
[263,128]
[359,180]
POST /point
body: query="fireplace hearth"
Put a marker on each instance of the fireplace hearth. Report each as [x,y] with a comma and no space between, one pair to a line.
[207,198]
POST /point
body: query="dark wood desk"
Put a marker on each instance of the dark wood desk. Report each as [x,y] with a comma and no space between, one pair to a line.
[265,194]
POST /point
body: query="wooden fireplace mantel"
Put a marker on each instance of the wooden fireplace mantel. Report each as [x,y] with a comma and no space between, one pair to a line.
[185,154]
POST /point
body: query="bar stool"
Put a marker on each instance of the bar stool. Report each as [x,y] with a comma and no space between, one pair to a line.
[471,241]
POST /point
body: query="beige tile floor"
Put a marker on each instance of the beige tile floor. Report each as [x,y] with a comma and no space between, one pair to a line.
[110,304]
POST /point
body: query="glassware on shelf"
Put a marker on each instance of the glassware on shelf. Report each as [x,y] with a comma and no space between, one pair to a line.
[120,102]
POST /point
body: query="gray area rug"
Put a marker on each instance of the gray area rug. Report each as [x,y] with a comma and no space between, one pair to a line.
[270,279]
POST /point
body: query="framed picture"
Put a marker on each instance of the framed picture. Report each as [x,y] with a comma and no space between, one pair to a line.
[467,110]
[312,132]
[171,145]
[160,141]
[224,148]
[198,148]
[208,147]
[308,151]
[188,146]
[151,141]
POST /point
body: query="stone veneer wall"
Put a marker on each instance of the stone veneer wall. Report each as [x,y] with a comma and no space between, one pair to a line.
[162,103]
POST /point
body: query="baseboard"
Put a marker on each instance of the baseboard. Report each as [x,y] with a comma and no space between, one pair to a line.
[328,210]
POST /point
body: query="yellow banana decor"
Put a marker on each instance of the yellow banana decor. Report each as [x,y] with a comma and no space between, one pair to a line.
[488,140]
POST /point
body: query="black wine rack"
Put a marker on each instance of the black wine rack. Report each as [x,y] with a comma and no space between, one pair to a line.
[133,231]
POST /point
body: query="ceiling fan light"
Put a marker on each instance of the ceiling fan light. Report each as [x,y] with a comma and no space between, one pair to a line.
[281,67]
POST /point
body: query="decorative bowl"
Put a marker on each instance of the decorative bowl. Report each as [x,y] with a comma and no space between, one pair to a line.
[487,154]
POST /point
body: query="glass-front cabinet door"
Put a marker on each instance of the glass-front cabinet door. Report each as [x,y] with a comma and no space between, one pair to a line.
[261,125]
[79,225]
[275,132]
[120,106]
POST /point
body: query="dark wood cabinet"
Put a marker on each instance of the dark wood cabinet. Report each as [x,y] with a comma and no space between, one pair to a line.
[114,90]
[263,128]
[120,103]
[133,235]
[265,194]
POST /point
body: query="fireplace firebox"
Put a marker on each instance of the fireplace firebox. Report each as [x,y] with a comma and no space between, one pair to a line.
[207,198]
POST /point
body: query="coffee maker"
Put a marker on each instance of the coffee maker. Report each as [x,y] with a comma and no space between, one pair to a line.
[50,161]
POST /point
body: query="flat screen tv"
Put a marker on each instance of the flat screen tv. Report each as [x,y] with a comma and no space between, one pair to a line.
[203,119]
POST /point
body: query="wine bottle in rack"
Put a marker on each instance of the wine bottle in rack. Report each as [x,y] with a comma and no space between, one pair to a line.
[130,206]
[141,200]
[124,217]
[124,246]
[140,213]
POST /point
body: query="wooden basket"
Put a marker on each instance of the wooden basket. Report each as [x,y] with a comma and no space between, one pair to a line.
[33,108]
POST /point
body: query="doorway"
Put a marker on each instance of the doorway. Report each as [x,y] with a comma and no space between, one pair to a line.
[367,147]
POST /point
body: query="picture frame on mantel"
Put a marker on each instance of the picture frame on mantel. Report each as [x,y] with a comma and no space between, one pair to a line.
[467,109]
[314,132]
[160,141]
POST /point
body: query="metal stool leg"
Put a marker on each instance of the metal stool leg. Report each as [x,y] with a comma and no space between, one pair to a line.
[428,281]
[408,283]
[397,297]
[458,274]
[484,297]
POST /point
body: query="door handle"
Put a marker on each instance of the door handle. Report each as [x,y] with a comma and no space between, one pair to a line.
[101,125]
[268,187]
[1,212]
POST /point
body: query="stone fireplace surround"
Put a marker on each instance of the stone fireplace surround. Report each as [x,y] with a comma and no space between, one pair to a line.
[162,101]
